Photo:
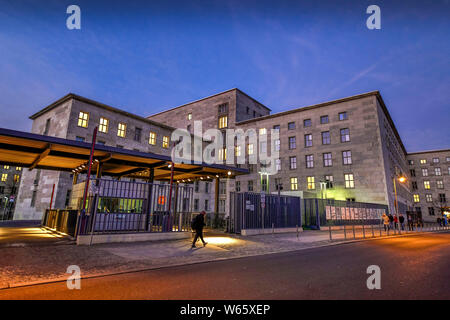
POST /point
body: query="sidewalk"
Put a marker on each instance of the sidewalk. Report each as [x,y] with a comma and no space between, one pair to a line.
[39,264]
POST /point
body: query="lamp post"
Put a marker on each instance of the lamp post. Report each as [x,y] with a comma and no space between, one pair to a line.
[401,179]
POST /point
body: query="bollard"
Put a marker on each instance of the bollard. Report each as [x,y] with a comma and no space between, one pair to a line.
[353,227]
[297,230]
[329,229]
[373,234]
[364,231]
[345,233]
[273,229]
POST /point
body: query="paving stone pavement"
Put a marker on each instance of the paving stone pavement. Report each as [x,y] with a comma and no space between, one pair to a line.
[37,264]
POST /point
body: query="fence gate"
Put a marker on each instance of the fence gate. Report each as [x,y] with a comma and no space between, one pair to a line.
[263,211]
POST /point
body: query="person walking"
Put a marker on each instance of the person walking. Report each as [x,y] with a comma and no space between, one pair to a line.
[197,225]
[385,222]
[402,221]
[395,222]
[391,221]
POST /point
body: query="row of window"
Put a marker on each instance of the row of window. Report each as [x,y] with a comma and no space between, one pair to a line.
[6,167]
[309,160]
[429,198]
[197,205]
[427,184]
[308,122]
[425,173]
[4,177]
[424,161]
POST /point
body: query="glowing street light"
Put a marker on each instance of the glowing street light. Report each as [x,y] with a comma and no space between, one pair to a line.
[401,179]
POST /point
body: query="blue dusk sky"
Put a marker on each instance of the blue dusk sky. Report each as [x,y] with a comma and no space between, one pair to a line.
[147,56]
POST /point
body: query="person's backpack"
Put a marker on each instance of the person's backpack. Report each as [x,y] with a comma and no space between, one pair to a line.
[194,223]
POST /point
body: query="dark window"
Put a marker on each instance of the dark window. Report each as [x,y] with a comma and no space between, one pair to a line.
[254,114]
[323,119]
[343,116]
[326,139]
[207,187]
[196,183]
[291,126]
[327,159]
[223,108]
[442,198]
[248,110]
[308,140]
[47,127]
[307,123]
[137,134]
[188,128]
[67,202]
[293,163]
[195,204]
[345,135]
[411,162]
[346,157]
[206,205]
[309,161]
[431,211]
[250,185]
[292,143]
[412,172]
[414,185]
[238,186]
[79,139]
[264,184]
[33,199]
[276,127]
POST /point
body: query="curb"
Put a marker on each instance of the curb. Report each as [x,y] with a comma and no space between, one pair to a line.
[101,275]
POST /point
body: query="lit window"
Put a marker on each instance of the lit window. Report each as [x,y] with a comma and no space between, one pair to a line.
[103,125]
[152,138]
[121,130]
[277,145]
[437,171]
[223,122]
[250,149]
[346,157]
[16,178]
[425,172]
[429,197]
[6,167]
[416,198]
[294,184]
[278,164]
[440,184]
[262,131]
[311,184]
[292,143]
[426,184]
[345,135]
[309,161]
[18,168]
[293,162]
[329,180]
[189,117]
[223,154]
[83,119]
[423,161]
[165,143]
[238,151]
[349,182]
[343,116]
[4,177]
[435,160]
[327,159]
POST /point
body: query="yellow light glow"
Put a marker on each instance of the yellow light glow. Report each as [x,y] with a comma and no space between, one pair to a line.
[220,240]
[402,179]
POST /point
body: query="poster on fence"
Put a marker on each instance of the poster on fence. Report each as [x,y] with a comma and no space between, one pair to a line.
[346,213]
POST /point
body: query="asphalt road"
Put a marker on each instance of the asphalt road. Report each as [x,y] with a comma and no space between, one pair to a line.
[414,267]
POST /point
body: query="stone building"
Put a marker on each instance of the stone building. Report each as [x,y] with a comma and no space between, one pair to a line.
[10,177]
[347,149]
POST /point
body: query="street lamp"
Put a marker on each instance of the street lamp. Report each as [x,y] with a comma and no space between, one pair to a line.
[402,179]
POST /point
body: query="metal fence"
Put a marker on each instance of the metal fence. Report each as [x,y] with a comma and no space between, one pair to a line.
[127,207]
[61,220]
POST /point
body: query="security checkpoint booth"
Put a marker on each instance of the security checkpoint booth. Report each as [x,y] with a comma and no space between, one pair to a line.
[117,194]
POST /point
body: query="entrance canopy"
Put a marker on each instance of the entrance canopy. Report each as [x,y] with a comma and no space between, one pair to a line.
[33,151]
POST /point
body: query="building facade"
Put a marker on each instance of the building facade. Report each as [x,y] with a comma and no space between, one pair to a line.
[347,149]
[10,177]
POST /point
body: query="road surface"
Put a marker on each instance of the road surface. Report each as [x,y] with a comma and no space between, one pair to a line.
[411,267]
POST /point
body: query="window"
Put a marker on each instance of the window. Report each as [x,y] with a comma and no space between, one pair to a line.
[189,116]
[277,145]
[121,130]
[311,184]
[137,134]
[196,205]
[223,122]
[4,177]
[103,127]
[264,185]
[222,187]
[323,119]
[6,167]
[416,198]
[248,110]
[425,172]
[309,161]
[426,184]
[437,171]
[207,187]
[196,185]
[414,185]
[423,161]
[345,135]
[238,186]
[329,180]
[101,142]
[262,131]
[327,159]
[83,119]
[78,138]
[448,170]
[431,211]
[435,160]
[188,128]
[206,205]
[326,139]
[67,201]
[276,127]
[343,116]
[412,172]
[263,147]
[291,126]
[152,138]
[308,140]
[294,184]
[165,143]
[223,154]
[250,149]
[292,163]
[349,182]
[254,114]
[250,185]
[18,168]
[223,108]
[442,198]
[33,198]
[429,198]
[307,123]
[47,127]
[411,162]
[346,157]
[440,184]
[278,164]
[447,159]
[16,178]
[238,151]
[292,143]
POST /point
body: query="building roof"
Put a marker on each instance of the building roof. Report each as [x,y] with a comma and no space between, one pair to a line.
[97,104]
[214,95]
[429,151]
[324,104]
[29,150]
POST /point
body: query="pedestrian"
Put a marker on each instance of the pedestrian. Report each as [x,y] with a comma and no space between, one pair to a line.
[385,222]
[197,225]
[438,220]
[402,221]
[395,222]
[391,221]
